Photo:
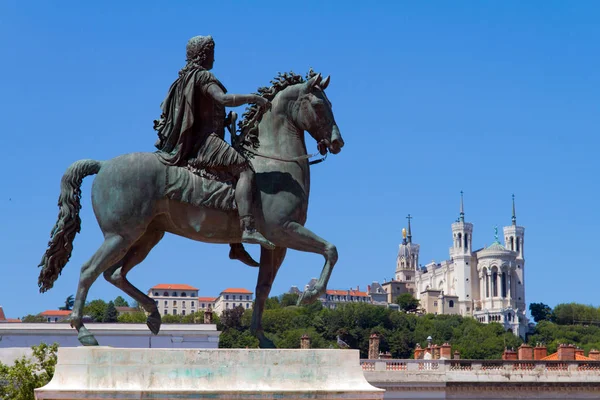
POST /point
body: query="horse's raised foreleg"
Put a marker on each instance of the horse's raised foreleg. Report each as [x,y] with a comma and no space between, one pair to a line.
[270,261]
[110,252]
[117,275]
[299,238]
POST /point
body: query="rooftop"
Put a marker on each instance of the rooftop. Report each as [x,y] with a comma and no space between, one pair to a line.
[236,291]
[207,299]
[347,293]
[56,313]
[173,286]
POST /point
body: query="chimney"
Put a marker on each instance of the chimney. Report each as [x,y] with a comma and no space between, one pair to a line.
[456,355]
[373,346]
[579,352]
[539,352]
[509,355]
[305,342]
[445,351]
[419,352]
[566,352]
[525,352]
[594,355]
[385,356]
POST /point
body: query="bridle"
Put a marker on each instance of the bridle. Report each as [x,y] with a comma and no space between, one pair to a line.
[292,159]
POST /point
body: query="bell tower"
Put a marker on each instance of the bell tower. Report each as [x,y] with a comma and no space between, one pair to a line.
[514,240]
[460,252]
[408,256]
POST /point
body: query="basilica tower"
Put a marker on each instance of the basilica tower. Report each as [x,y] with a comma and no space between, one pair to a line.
[461,255]
[408,257]
[514,239]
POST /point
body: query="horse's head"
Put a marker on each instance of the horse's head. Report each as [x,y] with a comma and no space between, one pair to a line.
[313,113]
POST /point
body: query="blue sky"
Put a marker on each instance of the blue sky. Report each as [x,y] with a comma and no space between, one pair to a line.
[432,98]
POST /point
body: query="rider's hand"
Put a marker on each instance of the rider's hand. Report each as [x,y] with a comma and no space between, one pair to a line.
[261,101]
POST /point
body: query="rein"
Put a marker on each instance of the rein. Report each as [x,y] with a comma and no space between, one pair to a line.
[293,159]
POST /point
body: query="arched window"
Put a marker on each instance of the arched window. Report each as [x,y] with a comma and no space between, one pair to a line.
[156,293]
[451,303]
[174,294]
[518,245]
[459,239]
[466,240]
[512,243]
[183,294]
[166,294]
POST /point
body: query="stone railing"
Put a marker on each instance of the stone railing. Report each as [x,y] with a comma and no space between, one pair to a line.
[479,370]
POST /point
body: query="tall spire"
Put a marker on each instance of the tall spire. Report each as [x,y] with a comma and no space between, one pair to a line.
[514,215]
[462,208]
[409,236]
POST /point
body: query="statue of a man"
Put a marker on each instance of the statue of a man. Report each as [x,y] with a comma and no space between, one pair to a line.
[191,130]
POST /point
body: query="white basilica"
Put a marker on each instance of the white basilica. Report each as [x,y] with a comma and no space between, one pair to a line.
[487,284]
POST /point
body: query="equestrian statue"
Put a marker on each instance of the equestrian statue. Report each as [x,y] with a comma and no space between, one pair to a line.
[198,186]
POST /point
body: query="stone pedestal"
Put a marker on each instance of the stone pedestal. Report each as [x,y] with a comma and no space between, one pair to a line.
[118,374]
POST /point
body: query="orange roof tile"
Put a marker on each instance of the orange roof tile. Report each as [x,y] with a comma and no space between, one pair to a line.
[236,290]
[173,286]
[554,357]
[347,293]
[12,320]
[56,313]
[207,299]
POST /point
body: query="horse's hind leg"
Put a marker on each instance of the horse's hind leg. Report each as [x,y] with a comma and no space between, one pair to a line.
[299,238]
[117,275]
[270,261]
[110,252]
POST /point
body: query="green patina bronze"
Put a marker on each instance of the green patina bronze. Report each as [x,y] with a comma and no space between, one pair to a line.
[187,187]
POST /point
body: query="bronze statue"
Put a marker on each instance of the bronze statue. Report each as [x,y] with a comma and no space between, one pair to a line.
[137,197]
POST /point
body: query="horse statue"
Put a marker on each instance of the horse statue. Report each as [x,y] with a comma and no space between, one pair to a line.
[134,207]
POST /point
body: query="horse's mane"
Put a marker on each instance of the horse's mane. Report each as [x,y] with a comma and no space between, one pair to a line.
[248,126]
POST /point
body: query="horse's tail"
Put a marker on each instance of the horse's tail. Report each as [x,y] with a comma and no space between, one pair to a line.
[68,225]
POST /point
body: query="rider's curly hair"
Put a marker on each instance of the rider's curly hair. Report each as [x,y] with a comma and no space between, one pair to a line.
[197,50]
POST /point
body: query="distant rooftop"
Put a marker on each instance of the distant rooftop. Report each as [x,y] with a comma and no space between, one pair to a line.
[173,286]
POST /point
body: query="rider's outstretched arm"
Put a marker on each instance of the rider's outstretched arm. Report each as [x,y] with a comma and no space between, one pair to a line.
[233,100]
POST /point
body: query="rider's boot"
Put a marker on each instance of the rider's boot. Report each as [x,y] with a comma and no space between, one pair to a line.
[251,235]
[237,252]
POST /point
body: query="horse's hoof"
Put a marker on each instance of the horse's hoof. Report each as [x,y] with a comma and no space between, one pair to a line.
[308,297]
[86,338]
[154,322]
[265,343]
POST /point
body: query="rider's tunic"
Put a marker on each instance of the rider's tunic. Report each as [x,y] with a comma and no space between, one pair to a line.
[191,129]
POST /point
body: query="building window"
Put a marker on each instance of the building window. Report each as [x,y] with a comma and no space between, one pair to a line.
[166,303]
[183,312]
[226,297]
[247,305]
[227,305]
[183,294]
[435,303]
[193,304]
[174,303]
[156,302]
[518,245]
[183,304]
[468,308]
[247,297]
[174,294]
[202,305]
[174,312]
[165,312]
[451,303]
[166,294]
[156,293]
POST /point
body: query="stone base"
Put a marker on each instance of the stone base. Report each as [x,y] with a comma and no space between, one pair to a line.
[117,374]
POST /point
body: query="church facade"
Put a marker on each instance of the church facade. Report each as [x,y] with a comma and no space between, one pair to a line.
[487,284]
